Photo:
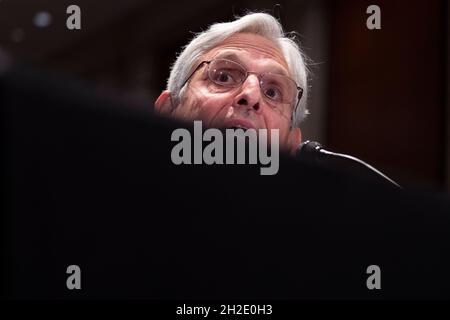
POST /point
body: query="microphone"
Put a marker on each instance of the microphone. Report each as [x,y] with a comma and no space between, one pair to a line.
[315,150]
[310,147]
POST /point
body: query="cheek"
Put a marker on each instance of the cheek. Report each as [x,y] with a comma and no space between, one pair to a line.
[282,124]
[202,105]
[212,104]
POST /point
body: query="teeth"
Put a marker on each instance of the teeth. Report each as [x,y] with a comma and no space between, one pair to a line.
[239,127]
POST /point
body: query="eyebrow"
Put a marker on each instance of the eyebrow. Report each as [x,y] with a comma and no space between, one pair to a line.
[234,57]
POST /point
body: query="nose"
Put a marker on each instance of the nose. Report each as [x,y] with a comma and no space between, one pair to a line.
[250,94]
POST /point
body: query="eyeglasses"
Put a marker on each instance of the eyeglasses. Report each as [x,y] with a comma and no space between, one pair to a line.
[280,90]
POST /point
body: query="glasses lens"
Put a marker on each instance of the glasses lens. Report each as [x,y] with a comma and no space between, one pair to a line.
[278,88]
[226,73]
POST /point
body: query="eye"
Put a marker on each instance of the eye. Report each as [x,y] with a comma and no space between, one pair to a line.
[223,77]
[273,93]
[226,76]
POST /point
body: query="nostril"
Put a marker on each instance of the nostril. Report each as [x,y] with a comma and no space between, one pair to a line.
[256,106]
[242,101]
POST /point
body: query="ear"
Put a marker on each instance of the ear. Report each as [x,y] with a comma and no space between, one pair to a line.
[294,139]
[164,104]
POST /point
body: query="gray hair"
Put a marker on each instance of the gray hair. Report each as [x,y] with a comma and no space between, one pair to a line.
[261,24]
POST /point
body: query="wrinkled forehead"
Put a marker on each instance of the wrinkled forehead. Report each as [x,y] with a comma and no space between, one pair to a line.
[254,45]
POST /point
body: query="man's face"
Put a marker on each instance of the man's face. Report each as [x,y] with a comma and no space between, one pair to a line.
[244,106]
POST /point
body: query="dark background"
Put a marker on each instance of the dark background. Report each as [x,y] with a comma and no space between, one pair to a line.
[380,95]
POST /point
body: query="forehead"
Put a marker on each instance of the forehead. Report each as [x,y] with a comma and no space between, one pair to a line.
[250,46]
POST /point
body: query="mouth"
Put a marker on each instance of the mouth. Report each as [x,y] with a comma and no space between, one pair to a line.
[237,127]
[238,124]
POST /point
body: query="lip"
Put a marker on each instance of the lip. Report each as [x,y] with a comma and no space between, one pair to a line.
[237,123]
